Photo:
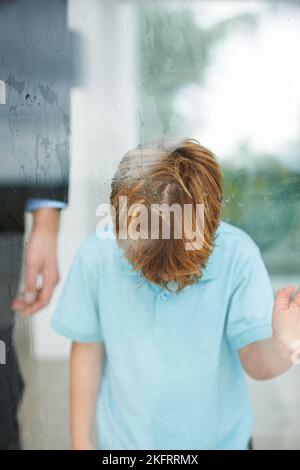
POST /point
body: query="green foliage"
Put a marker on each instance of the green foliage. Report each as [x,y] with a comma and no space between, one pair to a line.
[262,195]
[174,52]
[264,201]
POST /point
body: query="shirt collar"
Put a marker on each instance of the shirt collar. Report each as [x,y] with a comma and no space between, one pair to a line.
[210,272]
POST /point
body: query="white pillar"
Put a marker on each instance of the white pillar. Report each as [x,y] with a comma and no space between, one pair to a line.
[103,127]
[2,92]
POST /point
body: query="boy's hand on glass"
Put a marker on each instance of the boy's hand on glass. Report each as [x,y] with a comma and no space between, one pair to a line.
[286,320]
[273,356]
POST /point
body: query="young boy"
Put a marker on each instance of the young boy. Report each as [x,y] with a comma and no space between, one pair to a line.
[163,326]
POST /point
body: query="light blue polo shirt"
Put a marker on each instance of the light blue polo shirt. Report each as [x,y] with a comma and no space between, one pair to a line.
[172,377]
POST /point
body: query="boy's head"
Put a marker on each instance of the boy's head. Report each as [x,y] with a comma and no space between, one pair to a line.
[167,197]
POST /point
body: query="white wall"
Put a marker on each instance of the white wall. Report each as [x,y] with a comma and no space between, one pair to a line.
[103,110]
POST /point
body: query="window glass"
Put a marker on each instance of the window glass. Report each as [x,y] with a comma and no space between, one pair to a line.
[227,74]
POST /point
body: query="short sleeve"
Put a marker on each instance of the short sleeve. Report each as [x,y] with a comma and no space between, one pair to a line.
[77,314]
[250,309]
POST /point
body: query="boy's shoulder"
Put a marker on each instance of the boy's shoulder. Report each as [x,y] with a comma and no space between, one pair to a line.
[95,247]
[229,230]
[233,251]
[235,239]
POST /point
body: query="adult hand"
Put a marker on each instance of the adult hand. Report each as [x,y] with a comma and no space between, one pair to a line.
[40,263]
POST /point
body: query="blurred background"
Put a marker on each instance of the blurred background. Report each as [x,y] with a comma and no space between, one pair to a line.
[224,72]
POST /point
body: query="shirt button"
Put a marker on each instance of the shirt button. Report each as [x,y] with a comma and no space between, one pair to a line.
[165,295]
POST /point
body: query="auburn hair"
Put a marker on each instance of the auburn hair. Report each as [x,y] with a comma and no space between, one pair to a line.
[169,172]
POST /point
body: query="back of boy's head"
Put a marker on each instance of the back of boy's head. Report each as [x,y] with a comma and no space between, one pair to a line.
[159,175]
